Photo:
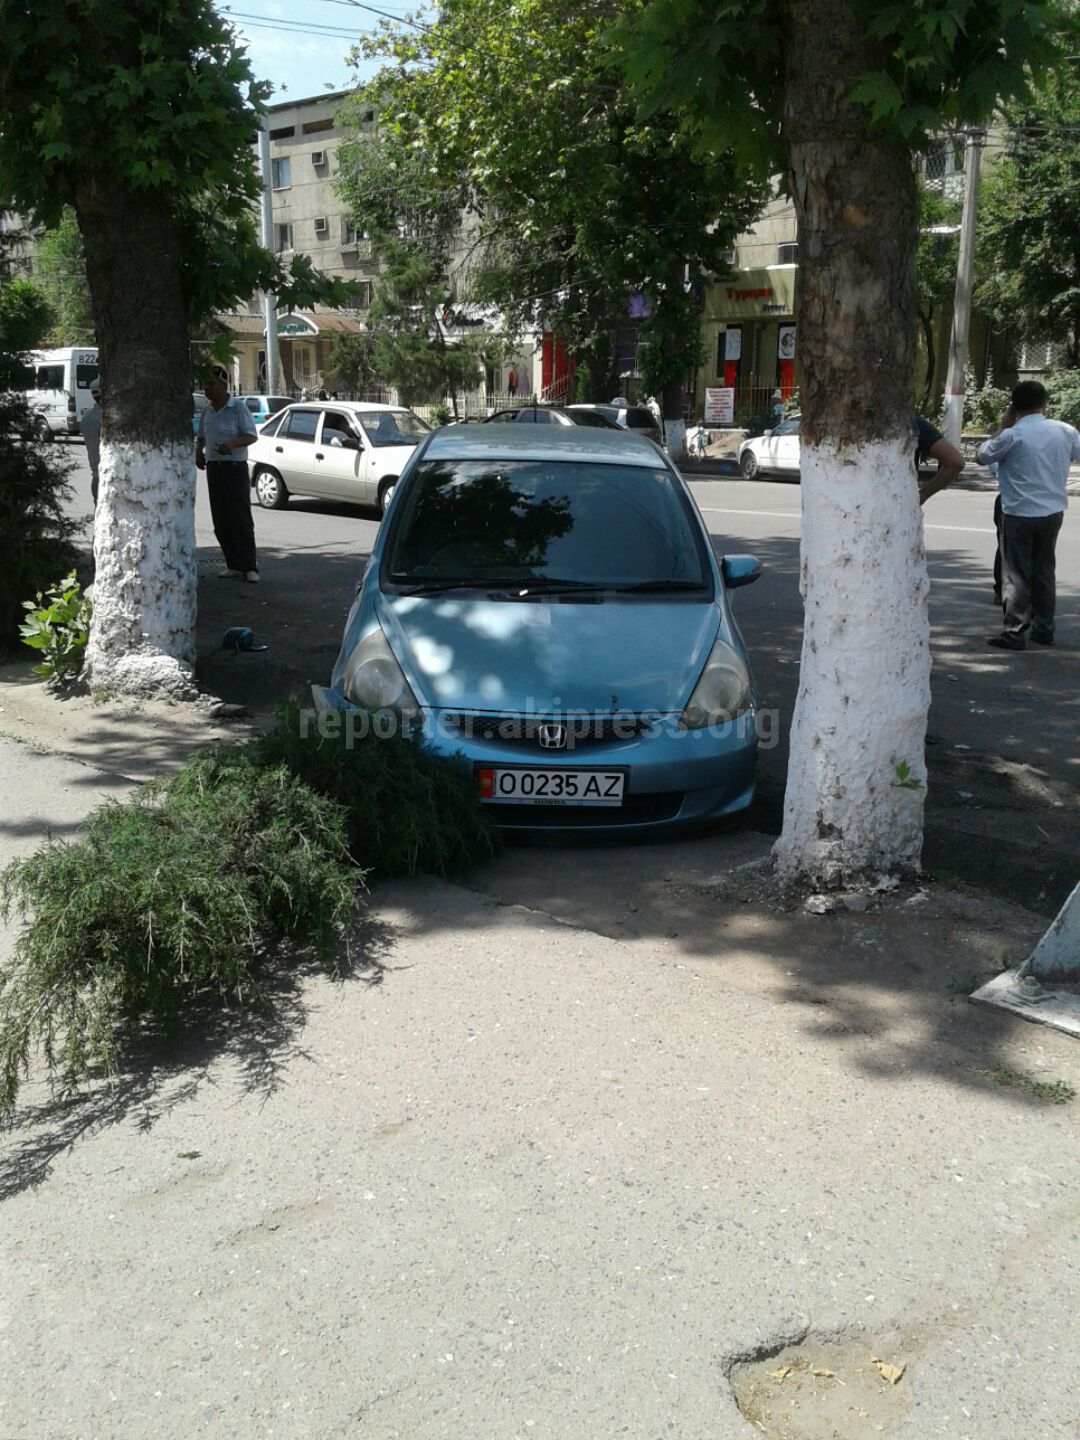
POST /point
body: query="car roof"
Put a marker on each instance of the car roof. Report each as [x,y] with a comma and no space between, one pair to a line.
[541,442]
[354,406]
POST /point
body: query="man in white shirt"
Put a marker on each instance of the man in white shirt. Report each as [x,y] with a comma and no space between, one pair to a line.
[1033,455]
[226,429]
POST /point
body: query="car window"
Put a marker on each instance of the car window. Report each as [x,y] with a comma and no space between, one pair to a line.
[502,417]
[85,376]
[591,418]
[532,416]
[788,427]
[334,423]
[50,377]
[253,403]
[276,403]
[273,426]
[640,420]
[302,425]
[569,520]
[391,427]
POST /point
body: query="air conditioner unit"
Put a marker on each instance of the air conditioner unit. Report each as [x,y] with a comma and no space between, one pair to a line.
[321,226]
[318,157]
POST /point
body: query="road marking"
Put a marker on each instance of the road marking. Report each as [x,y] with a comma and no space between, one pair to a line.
[795,515]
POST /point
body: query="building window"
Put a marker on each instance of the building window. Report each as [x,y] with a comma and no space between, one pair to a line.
[315,127]
[281,173]
[282,238]
[1036,355]
[283,133]
[787,254]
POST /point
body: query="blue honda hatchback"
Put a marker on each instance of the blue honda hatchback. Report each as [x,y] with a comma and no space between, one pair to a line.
[544,608]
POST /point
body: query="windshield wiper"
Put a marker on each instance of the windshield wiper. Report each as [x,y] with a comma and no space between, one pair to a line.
[435,585]
[642,587]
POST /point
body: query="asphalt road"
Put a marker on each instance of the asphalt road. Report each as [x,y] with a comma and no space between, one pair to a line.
[1002,737]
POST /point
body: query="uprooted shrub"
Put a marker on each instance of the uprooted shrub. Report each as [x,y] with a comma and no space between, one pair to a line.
[407,811]
[177,892]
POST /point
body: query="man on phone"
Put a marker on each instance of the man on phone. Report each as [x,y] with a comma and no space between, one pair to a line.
[1033,455]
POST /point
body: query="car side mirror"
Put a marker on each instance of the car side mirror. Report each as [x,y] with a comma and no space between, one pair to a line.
[739,570]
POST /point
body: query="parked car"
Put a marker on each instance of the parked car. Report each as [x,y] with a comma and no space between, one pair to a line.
[262,407]
[334,451]
[548,415]
[638,418]
[774,453]
[544,607]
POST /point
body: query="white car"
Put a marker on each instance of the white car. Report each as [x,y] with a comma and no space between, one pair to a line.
[333,450]
[774,453]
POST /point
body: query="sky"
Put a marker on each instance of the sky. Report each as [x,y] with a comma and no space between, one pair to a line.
[300,45]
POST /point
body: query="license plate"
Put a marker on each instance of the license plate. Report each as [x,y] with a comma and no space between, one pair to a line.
[502,785]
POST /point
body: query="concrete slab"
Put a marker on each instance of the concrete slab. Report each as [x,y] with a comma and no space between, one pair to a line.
[1022,994]
[1057,955]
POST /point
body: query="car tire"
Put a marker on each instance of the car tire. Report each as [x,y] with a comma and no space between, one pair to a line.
[748,465]
[386,490]
[270,490]
[42,431]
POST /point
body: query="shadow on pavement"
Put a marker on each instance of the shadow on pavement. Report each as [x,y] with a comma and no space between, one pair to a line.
[159,1073]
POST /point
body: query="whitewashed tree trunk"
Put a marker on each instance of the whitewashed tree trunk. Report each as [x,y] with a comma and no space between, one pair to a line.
[142,640]
[864,689]
[675,440]
[142,636]
[856,778]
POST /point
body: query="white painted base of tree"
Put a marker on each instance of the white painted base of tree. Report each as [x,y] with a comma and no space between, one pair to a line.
[142,636]
[864,685]
[675,440]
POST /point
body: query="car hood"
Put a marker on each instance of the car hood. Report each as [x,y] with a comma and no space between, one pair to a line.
[392,459]
[483,654]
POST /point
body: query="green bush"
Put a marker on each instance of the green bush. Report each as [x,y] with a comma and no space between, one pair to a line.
[1063,395]
[984,408]
[407,811]
[179,891]
[58,624]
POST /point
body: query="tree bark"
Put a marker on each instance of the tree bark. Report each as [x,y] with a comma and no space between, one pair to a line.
[926,319]
[142,637]
[856,777]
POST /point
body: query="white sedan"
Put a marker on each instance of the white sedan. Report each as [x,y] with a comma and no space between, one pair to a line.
[333,450]
[774,453]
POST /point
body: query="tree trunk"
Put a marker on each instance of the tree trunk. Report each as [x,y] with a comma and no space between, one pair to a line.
[856,776]
[142,638]
[671,402]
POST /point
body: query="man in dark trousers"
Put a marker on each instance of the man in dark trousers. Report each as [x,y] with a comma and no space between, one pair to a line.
[1033,455]
[226,429]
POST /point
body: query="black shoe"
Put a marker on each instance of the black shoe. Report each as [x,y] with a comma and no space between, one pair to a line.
[1005,641]
[1043,639]
[999,599]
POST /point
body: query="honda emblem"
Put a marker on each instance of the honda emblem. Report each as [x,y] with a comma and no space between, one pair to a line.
[552,737]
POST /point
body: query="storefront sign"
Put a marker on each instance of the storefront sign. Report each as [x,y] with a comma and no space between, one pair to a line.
[719,407]
[295,327]
[785,342]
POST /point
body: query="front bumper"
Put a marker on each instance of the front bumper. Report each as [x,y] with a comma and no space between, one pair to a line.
[675,779]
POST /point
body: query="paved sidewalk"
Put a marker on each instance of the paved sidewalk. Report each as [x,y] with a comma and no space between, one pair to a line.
[613,1121]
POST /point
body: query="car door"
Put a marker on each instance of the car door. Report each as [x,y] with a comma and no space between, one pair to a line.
[786,436]
[292,450]
[338,463]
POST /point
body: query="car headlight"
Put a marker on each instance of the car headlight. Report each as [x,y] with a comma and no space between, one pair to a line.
[722,692]
[374,680]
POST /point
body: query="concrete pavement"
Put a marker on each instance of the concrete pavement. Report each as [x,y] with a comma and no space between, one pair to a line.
[615,1141]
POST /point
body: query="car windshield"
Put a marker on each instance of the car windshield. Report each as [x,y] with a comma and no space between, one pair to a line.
[545,525]
[391,427]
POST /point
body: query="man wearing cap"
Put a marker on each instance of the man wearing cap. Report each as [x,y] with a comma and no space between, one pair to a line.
[226,429]
[90,426]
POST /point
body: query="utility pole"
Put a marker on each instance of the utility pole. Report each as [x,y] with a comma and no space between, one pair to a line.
[965,267]
[269,301]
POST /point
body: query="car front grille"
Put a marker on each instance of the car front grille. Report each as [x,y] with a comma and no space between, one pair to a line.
[579,730]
